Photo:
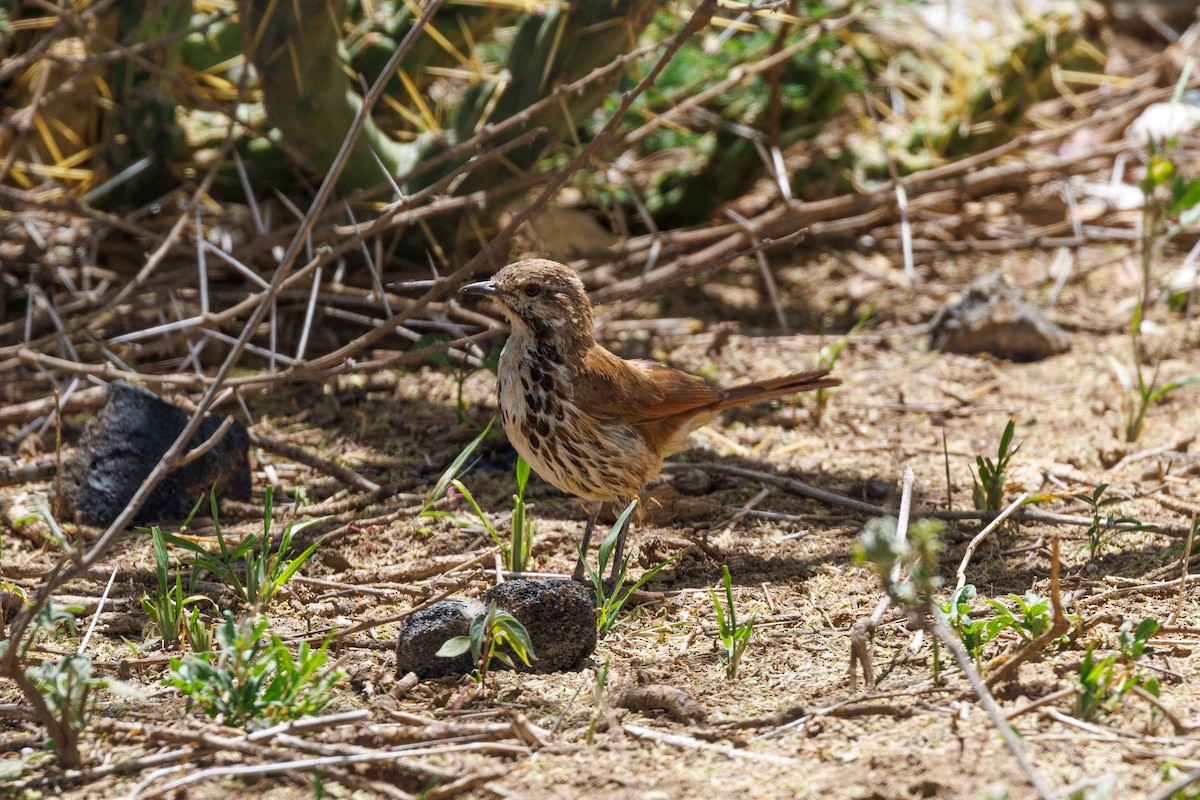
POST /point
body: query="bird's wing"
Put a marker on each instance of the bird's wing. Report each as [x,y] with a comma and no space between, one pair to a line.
[611,389]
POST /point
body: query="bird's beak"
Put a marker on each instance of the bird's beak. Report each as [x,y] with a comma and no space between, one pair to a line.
[485,288]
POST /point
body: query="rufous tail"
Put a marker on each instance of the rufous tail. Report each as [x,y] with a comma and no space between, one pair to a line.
[759,391]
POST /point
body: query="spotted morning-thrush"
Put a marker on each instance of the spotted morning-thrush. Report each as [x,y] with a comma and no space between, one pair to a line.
[591,423]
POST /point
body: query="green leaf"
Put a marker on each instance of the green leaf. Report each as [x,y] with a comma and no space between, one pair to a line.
[1185,194]
[1123,376]
[522,474]
[454,647]
[1178,383]
[457,466]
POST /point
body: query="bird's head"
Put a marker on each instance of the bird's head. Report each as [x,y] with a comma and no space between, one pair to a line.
[541,298]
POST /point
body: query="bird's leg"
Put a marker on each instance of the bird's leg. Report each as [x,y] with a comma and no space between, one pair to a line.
[619,553]
[583,548]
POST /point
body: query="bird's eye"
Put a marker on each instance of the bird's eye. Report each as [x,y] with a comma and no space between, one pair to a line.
[532,290]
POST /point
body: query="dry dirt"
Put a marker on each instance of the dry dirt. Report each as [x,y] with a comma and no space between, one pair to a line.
[907,737]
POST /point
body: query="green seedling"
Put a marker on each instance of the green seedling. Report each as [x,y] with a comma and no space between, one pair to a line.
[827,358]
[521,540]
[1033,617]
[1101,685]
[907,567]
[66,684]
[1170,204]
[1103,526]
[516,551]
[735,637]
[1140,394]
[167,608]
[1134,642]
[988,484]
[263,571]
[196,631]
[609,603]
[490,631]
[599,700]
[253,678]
[975,634]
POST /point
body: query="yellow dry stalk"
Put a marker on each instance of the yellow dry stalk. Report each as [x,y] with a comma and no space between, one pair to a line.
[404,111]
[430,122]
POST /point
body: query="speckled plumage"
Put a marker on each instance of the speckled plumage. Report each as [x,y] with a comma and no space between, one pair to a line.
[589,422]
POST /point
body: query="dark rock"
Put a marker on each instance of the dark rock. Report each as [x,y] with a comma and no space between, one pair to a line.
[559,615]
[993,317]
[125,441]
[427,630]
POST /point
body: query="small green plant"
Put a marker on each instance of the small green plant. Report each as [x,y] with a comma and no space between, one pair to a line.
[599,700]
[1102,684]
[521,540]
[516,551]
[1134,641]
[196,631]
[167,608]
[1140,394]
[735,637]
[880,545]
[66,684]
[987,487]
[263,571]
[1103,526]
[974,633]
[827,358]
[1170,204]
[609,602]
[253,678]
[490,631]
[1033,617]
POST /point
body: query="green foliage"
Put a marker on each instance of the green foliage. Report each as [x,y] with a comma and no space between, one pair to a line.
[516,551]
[827,358]
[609,602]
[1133,642]
[457,467]
[167,608]
[599,689]
[908,568]
[1170,204]
[1032,617]
[1102,685]
[521,540]
[491,630]
[66,684]
[988,485]
[263,571]
[724,146]
[973,633]
[735,637]
[254,678]
[1140,393]
[1102,526]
